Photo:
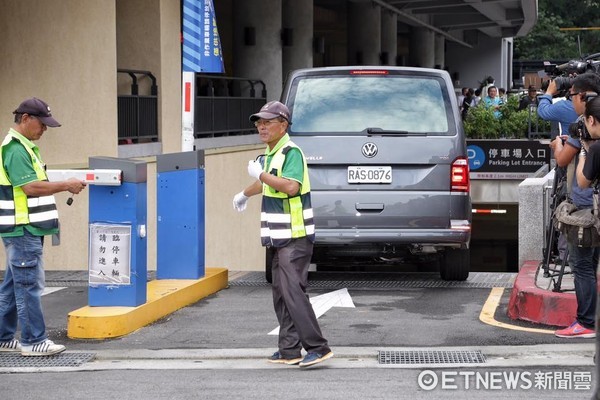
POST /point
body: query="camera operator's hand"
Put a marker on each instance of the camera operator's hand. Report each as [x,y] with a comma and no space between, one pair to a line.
[551,90]
[557,143]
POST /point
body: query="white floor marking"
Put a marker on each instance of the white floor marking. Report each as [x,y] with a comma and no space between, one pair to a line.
[322,303]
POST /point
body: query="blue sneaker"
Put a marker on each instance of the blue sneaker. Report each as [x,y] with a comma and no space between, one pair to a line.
[315,358]
[277,358]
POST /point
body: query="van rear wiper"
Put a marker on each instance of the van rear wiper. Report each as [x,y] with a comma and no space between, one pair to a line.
[386,132]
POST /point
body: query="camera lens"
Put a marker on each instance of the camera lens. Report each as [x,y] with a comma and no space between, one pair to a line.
[575,130]
[563,83]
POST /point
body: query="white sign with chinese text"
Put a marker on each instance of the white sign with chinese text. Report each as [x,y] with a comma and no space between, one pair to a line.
[110,254]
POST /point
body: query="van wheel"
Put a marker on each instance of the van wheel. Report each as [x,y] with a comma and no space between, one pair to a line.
[269,253]
[455,265]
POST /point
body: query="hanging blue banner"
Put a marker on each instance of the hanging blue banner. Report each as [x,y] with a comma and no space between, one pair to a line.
[201,43]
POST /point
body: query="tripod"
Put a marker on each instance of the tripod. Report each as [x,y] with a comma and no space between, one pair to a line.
[550,252]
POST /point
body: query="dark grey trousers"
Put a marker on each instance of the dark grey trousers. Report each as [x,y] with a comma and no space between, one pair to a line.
[298,326]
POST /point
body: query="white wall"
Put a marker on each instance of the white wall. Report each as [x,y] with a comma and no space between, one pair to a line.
[476,64]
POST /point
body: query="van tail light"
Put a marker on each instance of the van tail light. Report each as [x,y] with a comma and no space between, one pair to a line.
[369,72]
[459,175]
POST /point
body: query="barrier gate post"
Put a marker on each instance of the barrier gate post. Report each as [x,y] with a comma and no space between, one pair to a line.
[117,236]
[180,215]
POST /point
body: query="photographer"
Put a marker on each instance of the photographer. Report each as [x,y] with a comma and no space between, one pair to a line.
[583,260]
[588,171]
[562,112]
[564,148]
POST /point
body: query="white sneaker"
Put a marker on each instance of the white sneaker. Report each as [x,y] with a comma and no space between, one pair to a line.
[45,348]
[11,345]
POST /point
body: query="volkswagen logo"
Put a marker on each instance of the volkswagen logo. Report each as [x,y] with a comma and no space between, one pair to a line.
[369,150]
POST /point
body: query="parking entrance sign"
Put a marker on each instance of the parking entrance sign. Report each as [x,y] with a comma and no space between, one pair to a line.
[506,159]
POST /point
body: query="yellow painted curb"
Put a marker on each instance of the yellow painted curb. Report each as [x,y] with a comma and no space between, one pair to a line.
[489,309]
[164,297]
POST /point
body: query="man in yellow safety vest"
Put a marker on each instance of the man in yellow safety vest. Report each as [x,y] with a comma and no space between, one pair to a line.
[287,226]
[27,213]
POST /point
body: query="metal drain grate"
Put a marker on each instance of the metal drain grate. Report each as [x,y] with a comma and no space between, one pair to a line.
[318,280]
[16,360]
[412,357]
[73,278]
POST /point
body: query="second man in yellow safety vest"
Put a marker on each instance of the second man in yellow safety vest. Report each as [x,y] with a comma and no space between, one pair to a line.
[287,226]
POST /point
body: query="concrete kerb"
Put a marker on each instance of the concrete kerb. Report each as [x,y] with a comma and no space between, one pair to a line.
[164,297]
[579,354]
[528,302]
[493,353]
[502,357]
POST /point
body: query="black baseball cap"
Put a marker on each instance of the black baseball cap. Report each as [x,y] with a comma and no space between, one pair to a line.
[37,108]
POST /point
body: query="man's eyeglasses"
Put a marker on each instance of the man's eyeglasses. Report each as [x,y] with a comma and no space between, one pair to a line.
[569,95]
[266,122]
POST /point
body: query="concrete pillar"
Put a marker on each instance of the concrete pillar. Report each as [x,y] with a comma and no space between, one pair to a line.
[422,46]
[440,51]
[531,217]
[145,42]
[70,61]
[170,77]
[364,33]
[297,35]
[257,43]
[389,38]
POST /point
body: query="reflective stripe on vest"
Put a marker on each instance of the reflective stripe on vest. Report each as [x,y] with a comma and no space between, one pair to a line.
[16,208]
[283,217]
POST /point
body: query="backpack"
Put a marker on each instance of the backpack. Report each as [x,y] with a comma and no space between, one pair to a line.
[580,227]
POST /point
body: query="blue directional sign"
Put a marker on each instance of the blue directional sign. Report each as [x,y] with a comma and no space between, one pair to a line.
[506,159]
[201,42]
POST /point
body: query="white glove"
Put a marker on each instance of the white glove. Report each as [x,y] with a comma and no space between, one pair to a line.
[255,169]
[240,201]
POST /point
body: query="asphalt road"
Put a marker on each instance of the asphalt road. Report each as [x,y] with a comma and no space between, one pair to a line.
[287,383]
[216,349]
[242,317]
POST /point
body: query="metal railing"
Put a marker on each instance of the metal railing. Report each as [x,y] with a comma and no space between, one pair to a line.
[138,114]
[223,105]
[534,125]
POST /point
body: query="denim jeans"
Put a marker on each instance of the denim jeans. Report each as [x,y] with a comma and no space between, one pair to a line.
[21,291]
[584,263]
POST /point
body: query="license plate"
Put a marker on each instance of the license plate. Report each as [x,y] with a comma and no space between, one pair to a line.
[358,174]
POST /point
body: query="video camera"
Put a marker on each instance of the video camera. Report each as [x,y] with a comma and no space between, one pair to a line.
[563,74]
[577,130]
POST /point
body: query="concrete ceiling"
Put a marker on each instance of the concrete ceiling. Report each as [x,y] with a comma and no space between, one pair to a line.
[458,20]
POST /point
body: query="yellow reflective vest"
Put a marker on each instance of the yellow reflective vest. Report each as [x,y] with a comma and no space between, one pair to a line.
[285,217]
[16,208]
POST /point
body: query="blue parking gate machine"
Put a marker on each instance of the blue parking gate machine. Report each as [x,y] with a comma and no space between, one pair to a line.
[180,190]
[117,235]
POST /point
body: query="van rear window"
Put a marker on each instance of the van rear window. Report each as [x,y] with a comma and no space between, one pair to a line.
[351,104]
